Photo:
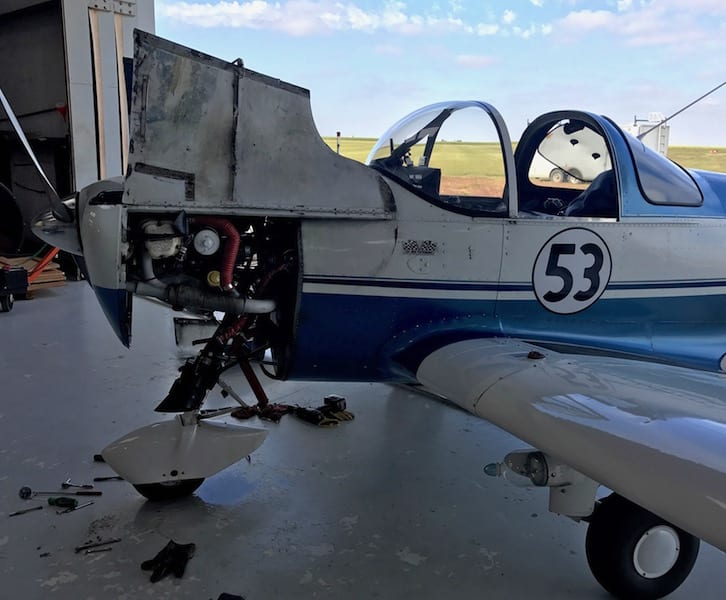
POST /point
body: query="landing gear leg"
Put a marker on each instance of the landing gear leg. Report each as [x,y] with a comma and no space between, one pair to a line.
[171,459]
[635,554]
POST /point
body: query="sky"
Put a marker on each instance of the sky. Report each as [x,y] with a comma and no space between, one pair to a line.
[367,63]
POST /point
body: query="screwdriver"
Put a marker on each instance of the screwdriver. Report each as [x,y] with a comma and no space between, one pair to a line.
[72,508]
[63,502]
[25,510]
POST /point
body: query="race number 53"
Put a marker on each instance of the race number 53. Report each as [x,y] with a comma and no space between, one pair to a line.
[572,271]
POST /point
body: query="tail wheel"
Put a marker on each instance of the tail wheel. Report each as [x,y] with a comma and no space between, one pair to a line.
[635,554]
[168,490]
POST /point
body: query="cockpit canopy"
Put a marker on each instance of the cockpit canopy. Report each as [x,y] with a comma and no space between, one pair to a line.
[469,177]
[458,155]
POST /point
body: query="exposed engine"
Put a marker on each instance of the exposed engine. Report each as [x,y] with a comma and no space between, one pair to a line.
[244,267]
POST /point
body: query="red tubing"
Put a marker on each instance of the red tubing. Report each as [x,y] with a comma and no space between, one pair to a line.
[229,257]
[35,273]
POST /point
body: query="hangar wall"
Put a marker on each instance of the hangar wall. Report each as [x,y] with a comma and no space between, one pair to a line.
[58,69]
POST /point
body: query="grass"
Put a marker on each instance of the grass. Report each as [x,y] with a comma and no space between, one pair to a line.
[698,157]
[464,159]
[355,148]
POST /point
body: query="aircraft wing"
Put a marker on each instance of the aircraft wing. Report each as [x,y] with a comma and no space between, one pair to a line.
[653,433]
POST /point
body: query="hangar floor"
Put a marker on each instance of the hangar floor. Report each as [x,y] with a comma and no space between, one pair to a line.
[392,505]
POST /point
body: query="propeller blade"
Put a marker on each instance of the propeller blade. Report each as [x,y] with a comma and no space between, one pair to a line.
[58,233]
[59,209]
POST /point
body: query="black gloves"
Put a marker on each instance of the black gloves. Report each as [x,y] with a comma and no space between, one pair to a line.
[172,558]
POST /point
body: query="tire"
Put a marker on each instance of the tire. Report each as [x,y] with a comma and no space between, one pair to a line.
[573,177]
[557,175]
[168,490]
[635,554]
[6,303]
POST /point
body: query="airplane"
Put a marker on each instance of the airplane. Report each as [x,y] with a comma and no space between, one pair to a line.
[584,315]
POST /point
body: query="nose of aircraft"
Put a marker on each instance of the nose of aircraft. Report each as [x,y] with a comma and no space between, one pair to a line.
[57,226]
[60,226]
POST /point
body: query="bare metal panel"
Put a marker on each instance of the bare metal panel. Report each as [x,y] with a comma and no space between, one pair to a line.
[206,134]
[181,123]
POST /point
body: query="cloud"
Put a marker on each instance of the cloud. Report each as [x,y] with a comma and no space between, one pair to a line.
[474,61]
[309,17]
[624,5]
[316,17]
[586,20]
[487,29]
[526,33]
[647,23]
[297,17]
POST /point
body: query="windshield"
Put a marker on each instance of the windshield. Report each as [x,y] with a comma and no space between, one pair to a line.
[397,142]
[448,153]
[661,180]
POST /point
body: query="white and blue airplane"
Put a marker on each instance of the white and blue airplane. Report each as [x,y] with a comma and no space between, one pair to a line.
[585,314]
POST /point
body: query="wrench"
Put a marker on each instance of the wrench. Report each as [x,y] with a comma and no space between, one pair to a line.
[84,486]
[25,492]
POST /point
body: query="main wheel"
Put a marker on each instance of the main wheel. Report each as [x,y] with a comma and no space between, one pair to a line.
[635,554]
[557,175]
[6,303]
[168,490]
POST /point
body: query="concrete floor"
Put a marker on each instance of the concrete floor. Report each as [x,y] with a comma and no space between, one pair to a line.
[393,505]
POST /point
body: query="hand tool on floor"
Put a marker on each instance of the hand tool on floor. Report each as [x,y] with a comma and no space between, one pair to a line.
[109,478]
[72,508]
[62,502]
[25,492]
[25,510]
[81,486]
[96,544]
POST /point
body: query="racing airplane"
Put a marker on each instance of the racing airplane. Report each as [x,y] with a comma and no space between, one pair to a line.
[584,312]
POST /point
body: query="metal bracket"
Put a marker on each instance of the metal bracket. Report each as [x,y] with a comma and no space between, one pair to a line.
[229,390]
[104,5]
[576,500]
[126,8]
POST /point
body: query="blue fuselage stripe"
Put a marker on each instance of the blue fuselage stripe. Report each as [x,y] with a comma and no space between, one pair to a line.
[368,337]
[500,286]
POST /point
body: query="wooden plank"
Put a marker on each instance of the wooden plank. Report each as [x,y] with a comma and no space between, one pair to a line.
[34,287]
[50,276]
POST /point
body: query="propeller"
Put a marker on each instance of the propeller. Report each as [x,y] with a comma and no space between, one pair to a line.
[57,226]
[60,227]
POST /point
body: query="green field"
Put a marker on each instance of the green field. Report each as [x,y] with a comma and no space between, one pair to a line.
[465,159]
[355,148]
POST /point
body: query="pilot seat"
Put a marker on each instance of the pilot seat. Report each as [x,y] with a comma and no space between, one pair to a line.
[600,199]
